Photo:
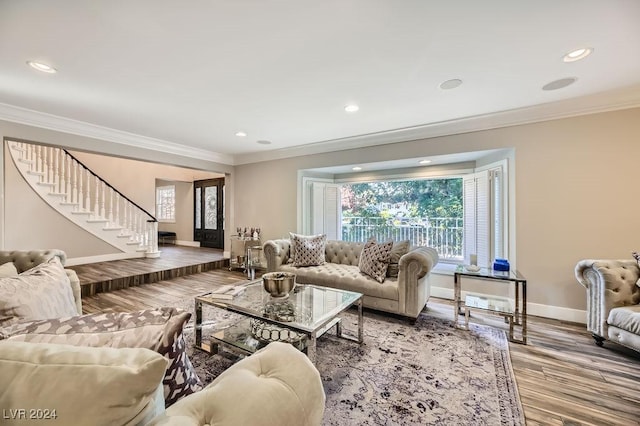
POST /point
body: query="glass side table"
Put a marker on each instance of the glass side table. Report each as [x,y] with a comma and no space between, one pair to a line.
[514,313]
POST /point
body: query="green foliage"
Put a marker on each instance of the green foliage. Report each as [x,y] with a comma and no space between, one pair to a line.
[421,198]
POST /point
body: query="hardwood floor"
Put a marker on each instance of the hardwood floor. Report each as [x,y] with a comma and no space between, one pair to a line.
[563,377]
[175,261]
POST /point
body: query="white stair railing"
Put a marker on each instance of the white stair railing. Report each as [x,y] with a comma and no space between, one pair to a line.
[77,192]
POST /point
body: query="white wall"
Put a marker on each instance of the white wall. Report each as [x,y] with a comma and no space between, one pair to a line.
[575,192]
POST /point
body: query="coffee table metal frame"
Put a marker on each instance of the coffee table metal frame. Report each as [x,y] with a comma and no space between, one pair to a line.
[312,331]
[518,317]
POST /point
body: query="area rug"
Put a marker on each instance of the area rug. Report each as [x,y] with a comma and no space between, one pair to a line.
[427,373]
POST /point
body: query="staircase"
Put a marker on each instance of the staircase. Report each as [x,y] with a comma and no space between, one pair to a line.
[86,199]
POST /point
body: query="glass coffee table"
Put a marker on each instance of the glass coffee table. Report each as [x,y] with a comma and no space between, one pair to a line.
[306,314]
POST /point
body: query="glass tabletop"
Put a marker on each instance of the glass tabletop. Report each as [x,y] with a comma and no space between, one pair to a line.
[491,273]
[307,308]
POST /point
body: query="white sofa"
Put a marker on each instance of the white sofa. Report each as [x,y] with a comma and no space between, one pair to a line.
[405,295]
[69,385]
[613,300]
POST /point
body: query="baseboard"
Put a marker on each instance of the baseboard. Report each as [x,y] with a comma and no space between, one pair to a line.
[187,243]
[102,258]
[536,309]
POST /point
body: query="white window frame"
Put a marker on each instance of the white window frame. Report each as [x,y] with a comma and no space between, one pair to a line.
[166,203]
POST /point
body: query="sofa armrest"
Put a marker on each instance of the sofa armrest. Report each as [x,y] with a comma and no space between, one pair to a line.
[413,286]
[609,284]
[75,287]
[278,385]
[277,253]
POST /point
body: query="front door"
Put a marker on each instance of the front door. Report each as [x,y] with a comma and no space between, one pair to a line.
[209,212]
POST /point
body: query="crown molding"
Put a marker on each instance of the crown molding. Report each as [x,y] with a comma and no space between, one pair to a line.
[611,101]
[66,125]
[592,104]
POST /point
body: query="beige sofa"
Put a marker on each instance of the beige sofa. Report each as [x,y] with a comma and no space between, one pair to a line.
[27,259]
[613,300]
[405,295]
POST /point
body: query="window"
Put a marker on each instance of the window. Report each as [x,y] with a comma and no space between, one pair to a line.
[166,203]
[459,212]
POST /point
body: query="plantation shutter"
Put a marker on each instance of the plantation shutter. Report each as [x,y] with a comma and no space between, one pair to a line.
[469,216]
[477,225]
[326,207]
[498,213]
[483,224]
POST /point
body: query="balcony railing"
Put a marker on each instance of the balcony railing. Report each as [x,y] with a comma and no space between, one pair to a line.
[442,233]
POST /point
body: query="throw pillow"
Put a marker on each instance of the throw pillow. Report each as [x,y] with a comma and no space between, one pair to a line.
[308,250]
[65,385]
[8,270]
[374,259]
[41,292]
[156,329]
[398,250]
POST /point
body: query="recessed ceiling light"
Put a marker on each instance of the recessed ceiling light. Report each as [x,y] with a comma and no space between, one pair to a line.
[576,55]
[264,142]
[41,66]
[351,108]
[559,84]
[451,84]
[241,134]
[356,169]
[424,161]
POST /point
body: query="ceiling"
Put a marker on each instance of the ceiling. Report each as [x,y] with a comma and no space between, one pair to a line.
[188,76]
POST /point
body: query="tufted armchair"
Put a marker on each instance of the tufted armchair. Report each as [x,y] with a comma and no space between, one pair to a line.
[613,300]
[24,260]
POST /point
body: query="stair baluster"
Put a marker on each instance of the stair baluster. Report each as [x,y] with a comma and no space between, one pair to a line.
[80,198]
[102,210]
[87,198]
[56,158]
[96,205]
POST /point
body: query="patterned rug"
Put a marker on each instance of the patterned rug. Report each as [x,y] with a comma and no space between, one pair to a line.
[428,373]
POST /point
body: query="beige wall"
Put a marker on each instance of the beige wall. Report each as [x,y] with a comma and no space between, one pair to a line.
[574,182]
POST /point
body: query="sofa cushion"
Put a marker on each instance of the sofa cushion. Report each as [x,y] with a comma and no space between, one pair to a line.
[344,277]
[626,318]
[79,385]
[308,250]
[41,292]
[399,249]
[374,259]
[8,270]
[156,329]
